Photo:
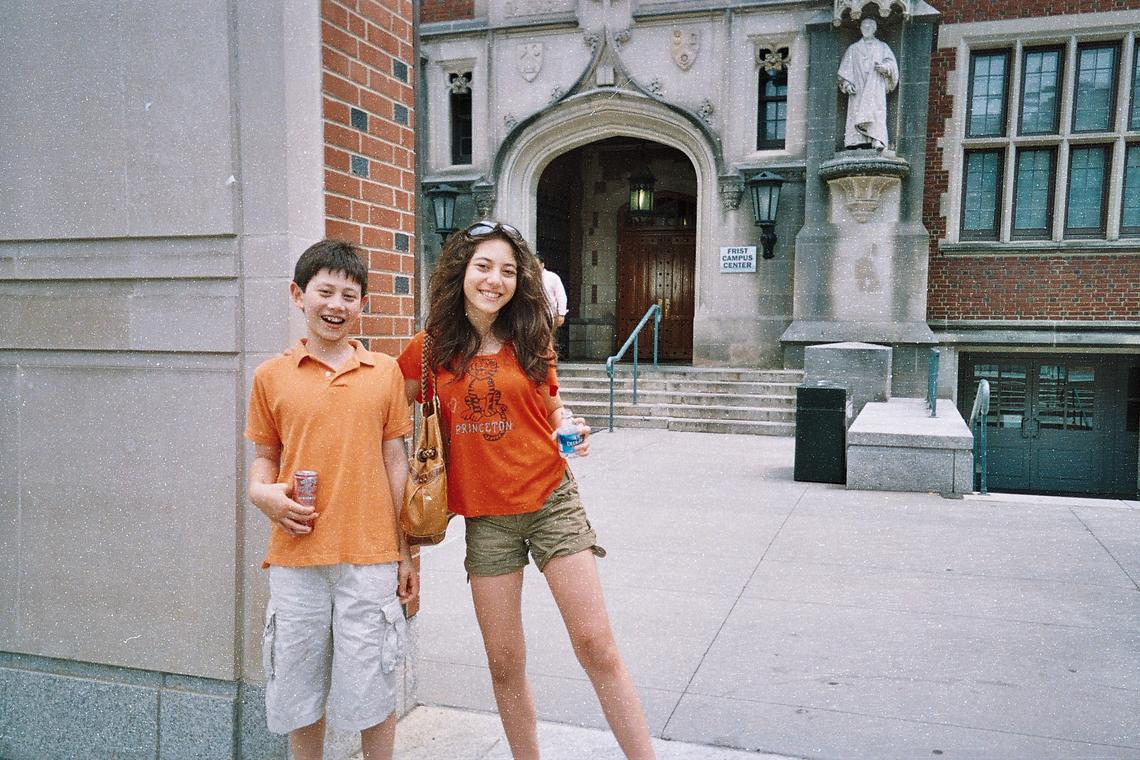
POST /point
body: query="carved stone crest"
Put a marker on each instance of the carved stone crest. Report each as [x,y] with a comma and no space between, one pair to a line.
[483,195]
[731,190]
[855,9]
[705,111]
[530,59]
[684,46]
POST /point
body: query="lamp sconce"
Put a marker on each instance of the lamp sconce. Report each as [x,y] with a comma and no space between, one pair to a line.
[641,182]
[443,209]
[765,190]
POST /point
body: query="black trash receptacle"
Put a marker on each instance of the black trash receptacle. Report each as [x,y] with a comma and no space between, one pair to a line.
[821,434]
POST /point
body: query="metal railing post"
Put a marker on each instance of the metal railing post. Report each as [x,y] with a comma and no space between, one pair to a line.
[932,383]
[984,457]
[655,312]
[610,372]
[635,368]
[656,329]
[979,424]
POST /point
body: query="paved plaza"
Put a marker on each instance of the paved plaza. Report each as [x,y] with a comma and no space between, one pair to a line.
[759,614]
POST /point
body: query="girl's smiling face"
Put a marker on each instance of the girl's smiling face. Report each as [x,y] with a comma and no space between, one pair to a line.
[489,281]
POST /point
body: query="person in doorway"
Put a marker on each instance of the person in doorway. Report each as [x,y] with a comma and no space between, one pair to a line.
[338,570]
[488,338]
[555,295]
[867,73]
[556,300]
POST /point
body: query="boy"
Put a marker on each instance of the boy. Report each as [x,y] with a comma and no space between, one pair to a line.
[338,571]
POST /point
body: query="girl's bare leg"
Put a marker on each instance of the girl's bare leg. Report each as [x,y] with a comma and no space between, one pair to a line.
[498,607]
[574,583]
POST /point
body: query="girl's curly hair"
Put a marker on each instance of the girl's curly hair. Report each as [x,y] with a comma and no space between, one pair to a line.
[525,321]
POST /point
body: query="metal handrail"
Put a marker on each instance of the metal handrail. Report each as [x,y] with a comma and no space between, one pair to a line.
[655,312]
[932,383]
[978,426]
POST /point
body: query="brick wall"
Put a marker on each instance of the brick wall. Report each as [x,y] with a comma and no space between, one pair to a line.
[1077,288]
[446,10]
[367,59]
[1034,287]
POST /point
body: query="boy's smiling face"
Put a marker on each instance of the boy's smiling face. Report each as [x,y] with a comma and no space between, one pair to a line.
[331,303]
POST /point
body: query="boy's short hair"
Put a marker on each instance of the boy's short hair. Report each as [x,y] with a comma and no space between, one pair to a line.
[335,256]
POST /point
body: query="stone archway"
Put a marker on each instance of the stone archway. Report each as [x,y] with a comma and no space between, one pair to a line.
[589,118]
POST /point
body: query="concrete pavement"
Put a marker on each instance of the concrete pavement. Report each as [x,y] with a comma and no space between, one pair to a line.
[805,620]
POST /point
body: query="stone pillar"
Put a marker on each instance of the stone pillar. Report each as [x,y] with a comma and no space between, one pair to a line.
[861,256]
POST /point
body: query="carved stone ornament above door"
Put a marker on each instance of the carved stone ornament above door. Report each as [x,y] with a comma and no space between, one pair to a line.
[855,8]
[684,46]
[530,59]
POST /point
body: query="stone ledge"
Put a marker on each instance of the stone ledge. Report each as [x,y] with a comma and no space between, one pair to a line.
[897,446]
[906,422]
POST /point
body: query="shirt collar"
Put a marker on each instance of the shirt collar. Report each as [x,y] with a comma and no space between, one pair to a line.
[301,350]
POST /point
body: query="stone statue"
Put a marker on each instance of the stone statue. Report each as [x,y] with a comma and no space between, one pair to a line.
[867,73]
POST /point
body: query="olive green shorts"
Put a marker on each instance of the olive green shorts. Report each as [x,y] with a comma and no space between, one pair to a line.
[498,544]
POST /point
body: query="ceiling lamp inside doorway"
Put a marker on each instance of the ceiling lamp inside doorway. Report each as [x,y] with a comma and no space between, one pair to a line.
[641,182]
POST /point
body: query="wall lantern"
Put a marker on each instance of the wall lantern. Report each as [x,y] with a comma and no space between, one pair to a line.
[765,188]
[641,182]
[443,209]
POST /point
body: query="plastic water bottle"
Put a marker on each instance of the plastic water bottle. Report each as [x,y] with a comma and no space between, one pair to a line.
[568,435]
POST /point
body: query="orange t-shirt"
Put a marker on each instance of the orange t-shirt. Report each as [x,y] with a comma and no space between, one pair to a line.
[501,455]
[333,422]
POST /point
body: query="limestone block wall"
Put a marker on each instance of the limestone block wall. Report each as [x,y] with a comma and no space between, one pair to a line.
[164,167]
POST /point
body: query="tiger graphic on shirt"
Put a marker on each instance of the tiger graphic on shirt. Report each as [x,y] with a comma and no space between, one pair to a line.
[483,409]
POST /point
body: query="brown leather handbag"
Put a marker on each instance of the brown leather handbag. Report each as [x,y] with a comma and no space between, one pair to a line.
[424,516]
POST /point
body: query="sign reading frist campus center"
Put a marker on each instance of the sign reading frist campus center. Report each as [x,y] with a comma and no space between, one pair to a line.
[738,258]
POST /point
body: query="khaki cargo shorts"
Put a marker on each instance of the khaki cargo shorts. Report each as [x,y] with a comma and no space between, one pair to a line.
[499,544]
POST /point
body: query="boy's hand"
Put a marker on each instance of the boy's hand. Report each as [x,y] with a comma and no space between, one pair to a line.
[273,500]
[408,588]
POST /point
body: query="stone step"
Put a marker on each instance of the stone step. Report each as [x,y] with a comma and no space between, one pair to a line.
[733,400]
[681,386]
[734,427]
[687,411]
[574,369]
[574,396]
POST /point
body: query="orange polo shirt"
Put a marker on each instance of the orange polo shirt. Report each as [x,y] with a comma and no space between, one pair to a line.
[501,455]
[333,422]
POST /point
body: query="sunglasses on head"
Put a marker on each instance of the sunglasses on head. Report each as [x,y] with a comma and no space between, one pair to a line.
[488,227]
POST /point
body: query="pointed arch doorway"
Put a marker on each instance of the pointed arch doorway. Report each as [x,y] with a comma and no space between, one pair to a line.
[656,265]
[614,267]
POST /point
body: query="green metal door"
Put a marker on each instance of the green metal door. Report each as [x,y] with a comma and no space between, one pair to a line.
[1058,424]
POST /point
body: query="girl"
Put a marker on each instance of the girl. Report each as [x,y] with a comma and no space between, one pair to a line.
[488,338]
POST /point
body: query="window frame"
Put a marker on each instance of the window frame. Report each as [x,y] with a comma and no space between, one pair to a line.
[457,121]
[1115,46]
[993,233]
[1047,232]
[764,74]
[1132,230]
[1132,116]
[1119,34]
[1060,86]
[1086,233]
[1004,121]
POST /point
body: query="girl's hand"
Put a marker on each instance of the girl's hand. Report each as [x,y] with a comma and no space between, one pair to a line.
[583,448]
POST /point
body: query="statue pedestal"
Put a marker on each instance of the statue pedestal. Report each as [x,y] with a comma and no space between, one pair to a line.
[861,273]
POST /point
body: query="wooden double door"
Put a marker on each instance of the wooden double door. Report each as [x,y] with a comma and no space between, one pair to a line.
[657,266]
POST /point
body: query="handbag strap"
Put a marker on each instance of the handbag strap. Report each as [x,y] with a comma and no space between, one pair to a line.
[425,367]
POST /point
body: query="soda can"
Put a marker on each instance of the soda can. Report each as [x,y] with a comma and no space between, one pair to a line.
[305,487]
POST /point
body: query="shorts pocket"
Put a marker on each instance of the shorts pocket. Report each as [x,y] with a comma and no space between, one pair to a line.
[395,636]
[268,639]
